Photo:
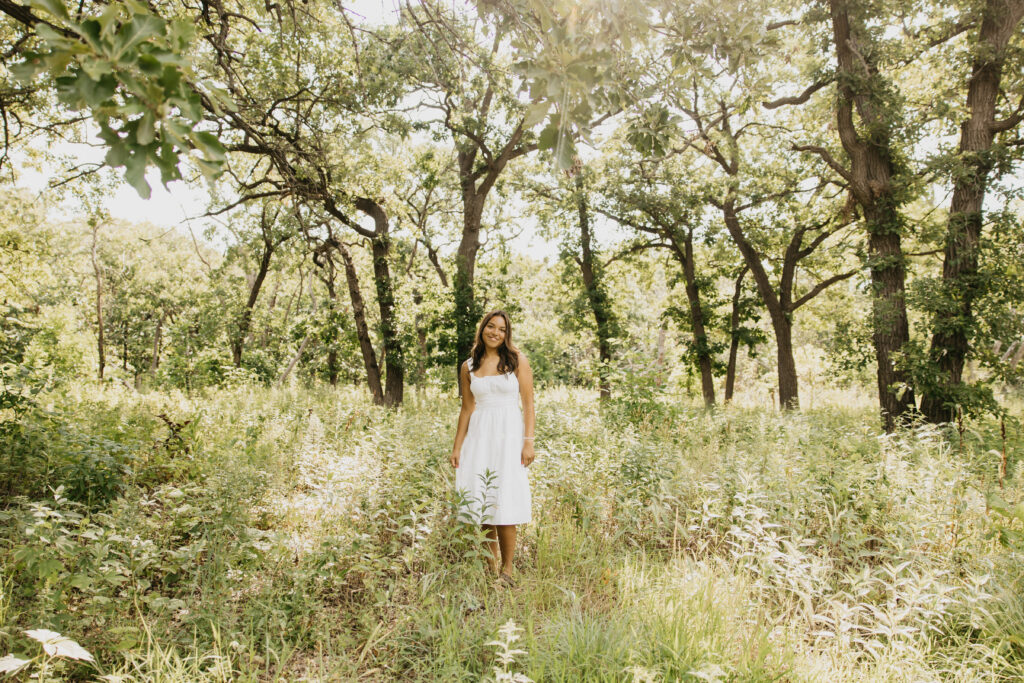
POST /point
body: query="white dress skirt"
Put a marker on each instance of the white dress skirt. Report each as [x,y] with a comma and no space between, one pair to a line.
[490,478]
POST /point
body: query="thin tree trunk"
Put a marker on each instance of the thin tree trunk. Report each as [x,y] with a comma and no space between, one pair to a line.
[154,363]
[682,247]
[362,329]
[734,336]
[332,352]
[295,359]
[421,338]
[394,361]
[597,295]
[953,322]
[98,273]
[467,312]
[789,388]
[245,319]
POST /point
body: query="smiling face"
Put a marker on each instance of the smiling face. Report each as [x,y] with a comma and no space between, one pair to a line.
[494,332]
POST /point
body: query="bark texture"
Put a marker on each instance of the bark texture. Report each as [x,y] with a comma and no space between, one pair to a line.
[362,329]
[871,181]
[394,359]
[953,322]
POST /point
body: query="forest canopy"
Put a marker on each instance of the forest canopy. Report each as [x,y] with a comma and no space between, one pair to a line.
[827,184]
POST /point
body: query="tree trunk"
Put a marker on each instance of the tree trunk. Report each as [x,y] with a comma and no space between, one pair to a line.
[870,182]
[789,388]
[597,295]
[467,312]
[734,336]
[332,351]
[394,361]
[475,184]
[421,338]
[154,363]
[683,250]
[953,322]
[295,359]
[245,319]
[362,330]
[98,273]
[788,385]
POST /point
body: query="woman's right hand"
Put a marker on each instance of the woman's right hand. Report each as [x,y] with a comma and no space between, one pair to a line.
[454,459]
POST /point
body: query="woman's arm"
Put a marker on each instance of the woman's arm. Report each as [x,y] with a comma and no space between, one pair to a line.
[524,373]
[468,405]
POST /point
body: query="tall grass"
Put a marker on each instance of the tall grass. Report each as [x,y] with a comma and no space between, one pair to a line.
[297,534]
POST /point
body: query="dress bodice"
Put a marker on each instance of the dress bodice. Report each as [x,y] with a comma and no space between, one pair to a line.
[494,390]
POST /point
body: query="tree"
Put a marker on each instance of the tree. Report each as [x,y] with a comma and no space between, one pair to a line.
[566,212]
[272,234]
[749,178]
[463,74]
[302,100]
[975,160]
[651,199]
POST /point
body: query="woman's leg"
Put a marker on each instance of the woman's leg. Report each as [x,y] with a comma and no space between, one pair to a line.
[507,542]
[494,560]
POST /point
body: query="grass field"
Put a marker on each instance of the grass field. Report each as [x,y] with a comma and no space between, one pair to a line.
[261,534]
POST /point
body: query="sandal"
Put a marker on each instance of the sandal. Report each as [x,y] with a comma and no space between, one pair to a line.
[506,580]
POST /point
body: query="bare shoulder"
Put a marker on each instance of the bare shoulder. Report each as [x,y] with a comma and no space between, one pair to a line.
[523,362]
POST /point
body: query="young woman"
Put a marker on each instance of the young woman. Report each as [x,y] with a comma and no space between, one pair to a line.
[494,440]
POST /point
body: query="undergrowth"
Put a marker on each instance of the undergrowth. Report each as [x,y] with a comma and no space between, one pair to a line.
[302,534]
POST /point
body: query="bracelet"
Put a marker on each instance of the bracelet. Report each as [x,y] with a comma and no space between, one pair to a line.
[529,438]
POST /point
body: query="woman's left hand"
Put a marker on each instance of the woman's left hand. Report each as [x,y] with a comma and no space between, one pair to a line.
[528,454]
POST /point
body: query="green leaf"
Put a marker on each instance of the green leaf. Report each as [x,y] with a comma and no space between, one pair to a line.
[135,174]
[210,169]
[81,582]
[548,137]
[535,113]
[25,71]
[149,65]
[146,132]
[126,643]
[90,29]
[996,503]
[140,28]
[566,152]
[209,145]
[1018,511]
[94,67]
[54,7]
[95,93]
[53,38]
[108,20]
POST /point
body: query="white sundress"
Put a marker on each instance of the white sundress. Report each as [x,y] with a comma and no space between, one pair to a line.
[491,475]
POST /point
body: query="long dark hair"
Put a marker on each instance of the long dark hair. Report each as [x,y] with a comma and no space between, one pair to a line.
[508,354]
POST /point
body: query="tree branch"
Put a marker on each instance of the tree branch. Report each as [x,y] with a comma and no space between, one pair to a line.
[802,97]
[827,157]
[1010,121]
[820,287]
